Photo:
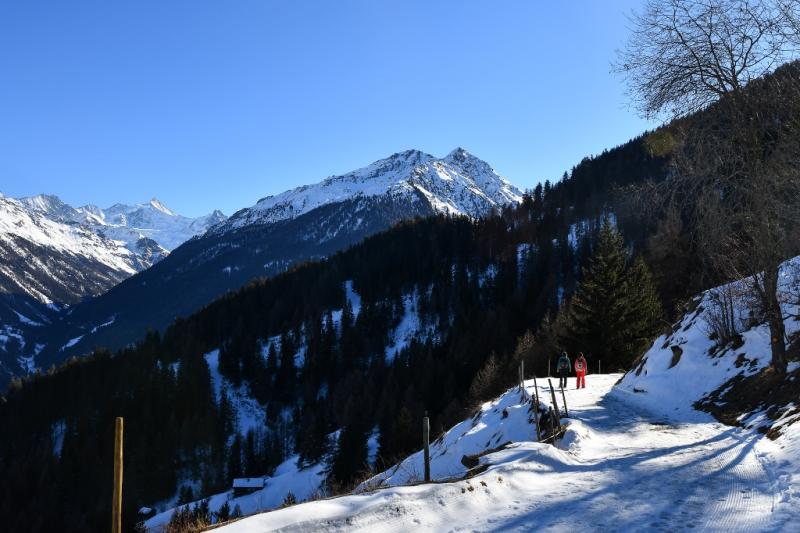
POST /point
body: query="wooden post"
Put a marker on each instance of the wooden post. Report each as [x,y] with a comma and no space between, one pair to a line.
[598,367]
[548,366]
[564,397]
[535,401]
[555,402]
[116,505]
[553,431]
[426,433]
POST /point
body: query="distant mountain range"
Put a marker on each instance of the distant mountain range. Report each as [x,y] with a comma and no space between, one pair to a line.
[309,222]
[56,253]
[128,223]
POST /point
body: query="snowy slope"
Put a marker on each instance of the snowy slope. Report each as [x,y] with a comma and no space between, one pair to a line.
[308,223]
[662,385]
[55,252]
[48,260]
[636,456]
[459,183]
[128,223]
[657,383]
[303,481]
[52,254]
[619,468]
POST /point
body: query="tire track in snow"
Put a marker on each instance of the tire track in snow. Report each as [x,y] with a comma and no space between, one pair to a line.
[717,482]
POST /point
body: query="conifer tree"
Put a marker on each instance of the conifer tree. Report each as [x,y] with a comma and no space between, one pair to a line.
[351,455]
[287,372]
[312,434]
[645,308]
[272,360]
[235,458]
[615,309]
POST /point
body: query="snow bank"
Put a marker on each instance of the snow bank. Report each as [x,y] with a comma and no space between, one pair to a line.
[288,477]
[504,420]
[687,365]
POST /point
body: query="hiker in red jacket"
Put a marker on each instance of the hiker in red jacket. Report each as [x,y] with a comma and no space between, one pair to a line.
[580,370]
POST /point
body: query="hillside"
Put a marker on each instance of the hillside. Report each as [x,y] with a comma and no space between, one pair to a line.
[293,346]
[618,467]
[307,223]
[55,256]
[303,351]
[639,452]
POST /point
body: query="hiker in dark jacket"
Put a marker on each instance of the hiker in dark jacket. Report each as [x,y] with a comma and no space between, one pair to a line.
[562,368]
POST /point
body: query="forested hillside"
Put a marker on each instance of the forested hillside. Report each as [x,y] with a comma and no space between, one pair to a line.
[431,315]
[436,298]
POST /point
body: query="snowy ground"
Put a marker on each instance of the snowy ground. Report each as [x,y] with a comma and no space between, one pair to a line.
[619,468]
[637,455]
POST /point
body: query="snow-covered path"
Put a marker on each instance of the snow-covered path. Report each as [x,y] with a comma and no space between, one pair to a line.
[637,471]
[621,469]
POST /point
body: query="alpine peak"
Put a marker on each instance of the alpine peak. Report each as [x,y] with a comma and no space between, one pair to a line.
[155,203]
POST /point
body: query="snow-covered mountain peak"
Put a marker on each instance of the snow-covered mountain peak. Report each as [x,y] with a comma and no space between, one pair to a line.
[459,183]
[159,206]
[458,153]
[49,205]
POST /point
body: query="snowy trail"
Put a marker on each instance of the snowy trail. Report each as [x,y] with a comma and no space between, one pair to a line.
[622,470]
[646,473]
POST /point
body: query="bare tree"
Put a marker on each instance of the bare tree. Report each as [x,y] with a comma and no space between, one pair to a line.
[722,316]
[789,10]
[685,54]
[735,168]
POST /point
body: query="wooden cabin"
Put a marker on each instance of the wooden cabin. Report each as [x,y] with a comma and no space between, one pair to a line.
[247,485]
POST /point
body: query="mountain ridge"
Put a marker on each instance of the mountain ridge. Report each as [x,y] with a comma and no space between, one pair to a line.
[404,186]
[128,222]
[398,175]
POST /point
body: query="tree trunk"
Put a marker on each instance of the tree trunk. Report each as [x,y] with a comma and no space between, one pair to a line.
[777,331]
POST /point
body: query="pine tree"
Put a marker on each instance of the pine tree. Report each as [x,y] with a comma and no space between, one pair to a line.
[615,309]
[252,466]
[312,435]
[350,459]
[644,308]
[229,364]
[235,458]
[488,382]
[272,360]
[224,512]
[287,374]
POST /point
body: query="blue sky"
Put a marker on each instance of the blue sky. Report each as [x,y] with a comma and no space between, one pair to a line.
[209,104]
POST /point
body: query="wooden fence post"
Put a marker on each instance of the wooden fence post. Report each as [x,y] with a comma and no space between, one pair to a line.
[598,367]
[535,401]
[555,402]
[564,397]
[116,505]
[426,433]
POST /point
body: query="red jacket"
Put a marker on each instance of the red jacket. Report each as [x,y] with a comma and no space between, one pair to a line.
[580,365]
